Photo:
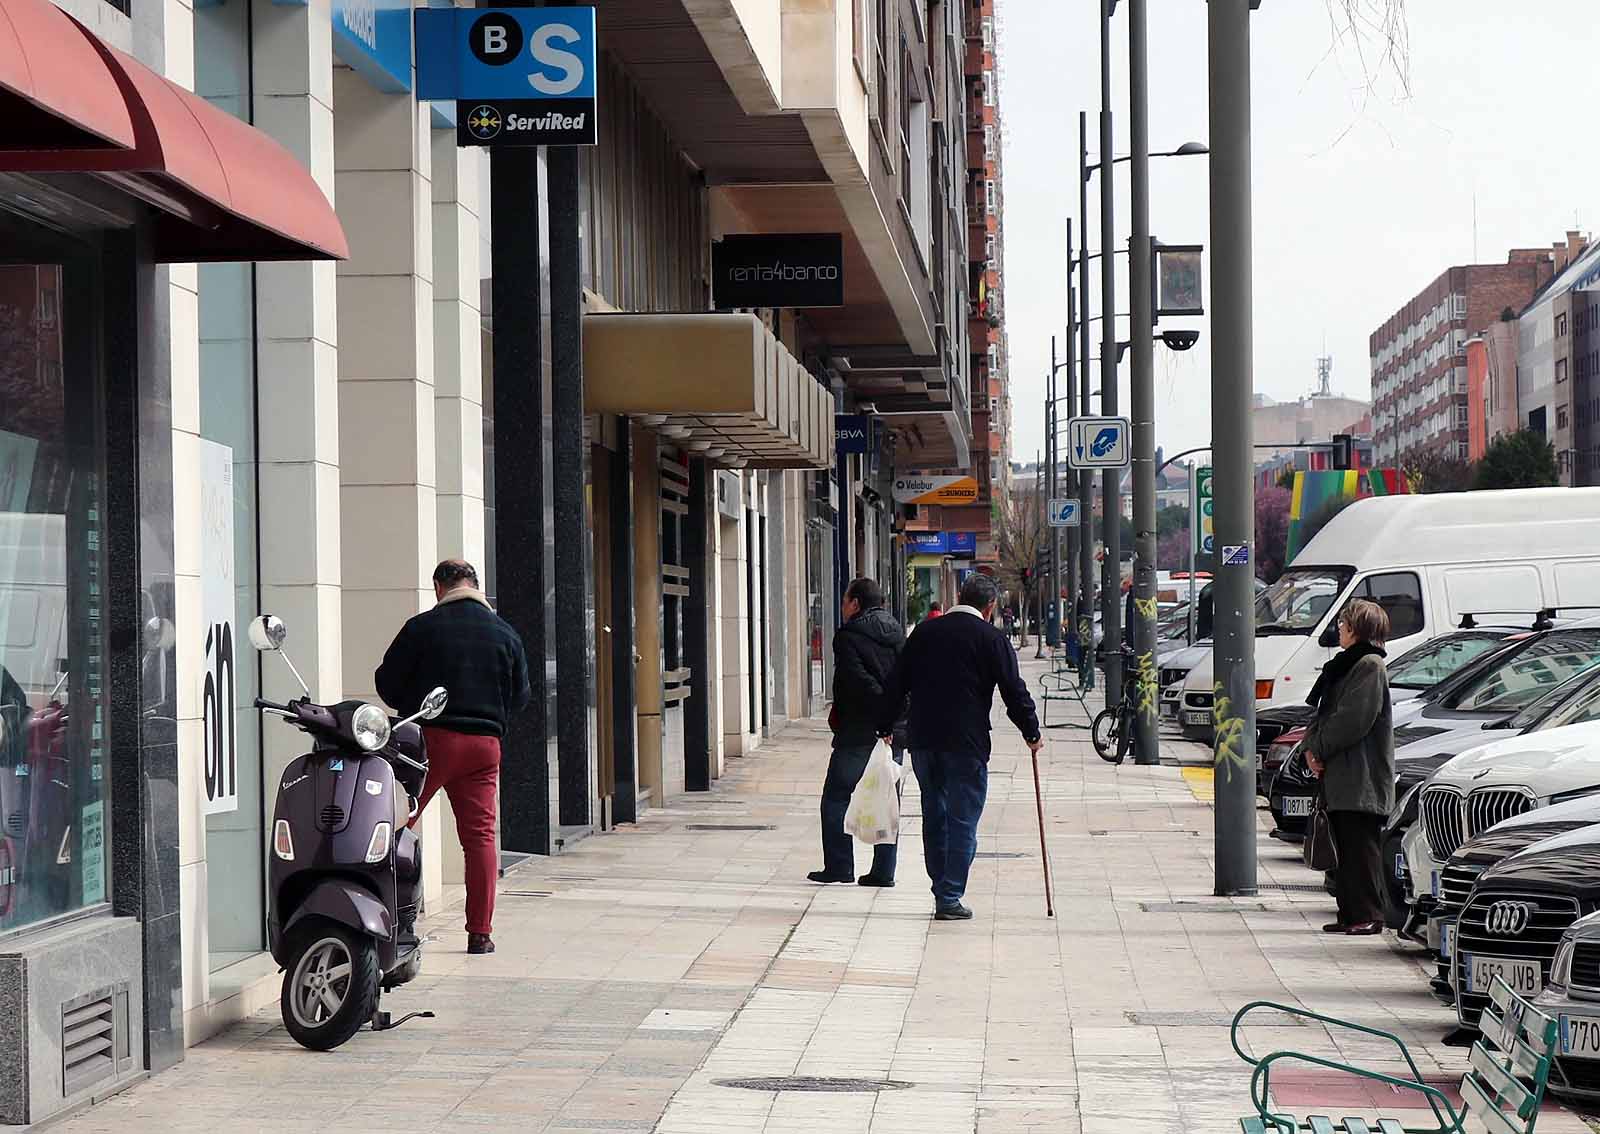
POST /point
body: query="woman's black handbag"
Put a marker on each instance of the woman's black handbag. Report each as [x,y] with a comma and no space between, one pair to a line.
[1319,849]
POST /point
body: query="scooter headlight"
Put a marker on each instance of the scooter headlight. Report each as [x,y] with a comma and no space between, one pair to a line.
[370,726]
[378,845]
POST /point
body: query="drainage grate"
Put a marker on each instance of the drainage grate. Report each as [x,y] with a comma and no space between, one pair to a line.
[805,1083]
[1293,887]
[1207,1019]
[527,893]
[729,827]
[1200,907]
[999,854]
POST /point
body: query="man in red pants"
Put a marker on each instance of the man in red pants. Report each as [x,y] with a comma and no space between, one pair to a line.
[463,645]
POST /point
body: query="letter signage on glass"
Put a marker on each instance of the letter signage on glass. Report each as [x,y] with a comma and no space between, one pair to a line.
[519,76]
[778,270]
[218,695]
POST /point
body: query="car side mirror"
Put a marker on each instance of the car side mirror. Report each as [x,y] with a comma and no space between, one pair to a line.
[433,704]
[268,632]
[1330,636]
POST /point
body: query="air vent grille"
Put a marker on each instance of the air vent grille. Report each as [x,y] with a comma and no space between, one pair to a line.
[332,816]
[89,1040]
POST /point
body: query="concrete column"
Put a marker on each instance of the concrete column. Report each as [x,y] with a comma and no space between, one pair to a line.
[389,519]
[733,627]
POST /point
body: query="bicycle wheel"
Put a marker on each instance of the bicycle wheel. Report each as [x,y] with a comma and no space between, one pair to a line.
[1104,733]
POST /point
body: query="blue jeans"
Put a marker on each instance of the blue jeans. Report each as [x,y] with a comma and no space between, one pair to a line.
[954,787]
[838,849]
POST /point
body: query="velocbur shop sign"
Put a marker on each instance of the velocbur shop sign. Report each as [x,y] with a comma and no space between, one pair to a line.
[791,269]
[518,76]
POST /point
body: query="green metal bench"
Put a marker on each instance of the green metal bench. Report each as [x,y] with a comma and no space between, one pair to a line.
[1502,1089]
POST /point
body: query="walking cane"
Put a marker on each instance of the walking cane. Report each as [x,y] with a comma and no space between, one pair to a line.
[1044,851]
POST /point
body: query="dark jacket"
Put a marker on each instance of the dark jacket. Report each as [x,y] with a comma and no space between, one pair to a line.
[951,669]
[1353,735]
[469,649]
[864,651]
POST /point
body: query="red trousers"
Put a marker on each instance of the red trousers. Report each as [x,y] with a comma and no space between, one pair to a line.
[467,768]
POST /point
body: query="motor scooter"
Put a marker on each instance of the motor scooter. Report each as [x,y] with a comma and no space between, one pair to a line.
[344,872]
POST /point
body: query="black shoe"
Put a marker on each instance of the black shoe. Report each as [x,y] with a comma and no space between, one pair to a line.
[479,943]
[824,876]
[874,880]
[1365,929]
[957,912]
[1336,927]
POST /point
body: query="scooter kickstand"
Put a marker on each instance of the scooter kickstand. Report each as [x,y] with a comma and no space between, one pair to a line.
[383,1022]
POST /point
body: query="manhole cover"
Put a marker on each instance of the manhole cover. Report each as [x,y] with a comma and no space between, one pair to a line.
[999,854]
[1293,887]
[729,827]
[1201,907]
[804,1083]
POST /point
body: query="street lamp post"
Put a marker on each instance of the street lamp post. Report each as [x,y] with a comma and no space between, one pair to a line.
[1111,479]
[1085,482]
[1234,633]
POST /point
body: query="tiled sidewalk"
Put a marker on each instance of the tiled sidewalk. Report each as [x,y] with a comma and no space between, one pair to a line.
[643,969]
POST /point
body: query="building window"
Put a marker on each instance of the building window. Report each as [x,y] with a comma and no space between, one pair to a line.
[988,33]
[1561,417]
[54,672]
[988,142]
[988,88]
[988,250]
[858,36]
[1458,307]
[989,202]
[1561,324]
[880,44]
[907,85]
[1561,370]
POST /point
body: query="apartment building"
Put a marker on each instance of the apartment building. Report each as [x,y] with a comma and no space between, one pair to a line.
[1419,355]
[219,401]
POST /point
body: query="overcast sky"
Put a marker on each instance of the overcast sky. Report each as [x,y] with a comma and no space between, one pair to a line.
[1361,197]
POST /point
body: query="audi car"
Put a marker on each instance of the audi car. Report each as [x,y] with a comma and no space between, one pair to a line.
[1516,915]
[1452,884]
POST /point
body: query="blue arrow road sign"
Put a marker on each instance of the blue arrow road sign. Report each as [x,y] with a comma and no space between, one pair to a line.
[1063,513]
[1099,443]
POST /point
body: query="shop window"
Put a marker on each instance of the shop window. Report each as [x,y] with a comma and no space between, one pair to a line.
[54,747]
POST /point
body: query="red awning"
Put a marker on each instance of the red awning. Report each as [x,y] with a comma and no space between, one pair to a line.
[226,190]
[55,92]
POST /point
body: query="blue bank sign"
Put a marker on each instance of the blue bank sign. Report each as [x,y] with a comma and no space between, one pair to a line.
[518,76]
[943,543]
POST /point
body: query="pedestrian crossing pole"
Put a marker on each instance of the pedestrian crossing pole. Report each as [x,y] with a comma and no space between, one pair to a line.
[1234,700]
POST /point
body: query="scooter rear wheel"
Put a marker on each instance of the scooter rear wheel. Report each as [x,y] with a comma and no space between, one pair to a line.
[330,986]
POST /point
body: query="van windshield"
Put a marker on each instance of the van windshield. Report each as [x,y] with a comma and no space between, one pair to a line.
[1298,601]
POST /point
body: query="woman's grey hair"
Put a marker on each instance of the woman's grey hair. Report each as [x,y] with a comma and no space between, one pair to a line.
[978,591]
[1367,621]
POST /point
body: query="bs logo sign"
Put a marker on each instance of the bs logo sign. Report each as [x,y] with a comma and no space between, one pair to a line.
[496,40]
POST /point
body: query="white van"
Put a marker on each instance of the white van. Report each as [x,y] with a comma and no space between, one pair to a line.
[1427,560]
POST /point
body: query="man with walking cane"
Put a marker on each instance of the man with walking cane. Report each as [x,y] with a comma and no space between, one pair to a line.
[950,669]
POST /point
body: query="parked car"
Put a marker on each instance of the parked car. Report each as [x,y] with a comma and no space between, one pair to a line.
[1426,560]
[1518,912]
[1572,996]
[1452,884]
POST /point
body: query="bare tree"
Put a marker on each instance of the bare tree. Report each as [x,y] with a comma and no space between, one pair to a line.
[1378,33]
[1020,538]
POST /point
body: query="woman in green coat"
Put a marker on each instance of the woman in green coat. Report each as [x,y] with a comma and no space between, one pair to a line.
[1350,745]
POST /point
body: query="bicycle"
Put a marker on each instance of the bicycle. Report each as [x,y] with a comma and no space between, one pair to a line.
[1112,729]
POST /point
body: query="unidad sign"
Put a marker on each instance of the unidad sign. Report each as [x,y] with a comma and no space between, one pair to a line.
[778,270]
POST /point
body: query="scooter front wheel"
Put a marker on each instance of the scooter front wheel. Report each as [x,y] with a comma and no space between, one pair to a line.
[330,986]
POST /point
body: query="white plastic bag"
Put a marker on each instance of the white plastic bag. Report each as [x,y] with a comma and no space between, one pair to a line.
[874,812]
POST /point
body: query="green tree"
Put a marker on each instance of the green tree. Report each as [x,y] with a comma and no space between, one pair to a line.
[1433,471]
[1272,532]
[1523,459]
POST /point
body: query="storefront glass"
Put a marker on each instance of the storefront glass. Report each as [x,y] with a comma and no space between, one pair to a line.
[54,748]
[235,823]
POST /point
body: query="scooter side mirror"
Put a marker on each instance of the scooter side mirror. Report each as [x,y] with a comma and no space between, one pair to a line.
[268,632]
[433,704]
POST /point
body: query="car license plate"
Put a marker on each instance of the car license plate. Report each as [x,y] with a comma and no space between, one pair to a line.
[1447,939]
[1580,1036]
[1168,709]
[1433,883]
[1400,867]
[1192,718]
[1524,977]
[1259,762]
[1297,805]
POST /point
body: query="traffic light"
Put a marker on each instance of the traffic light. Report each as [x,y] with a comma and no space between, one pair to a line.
[1343,451]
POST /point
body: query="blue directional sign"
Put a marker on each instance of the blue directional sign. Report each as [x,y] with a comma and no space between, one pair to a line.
[519,76]
[1236,555]
[1064,513]
[1099,442]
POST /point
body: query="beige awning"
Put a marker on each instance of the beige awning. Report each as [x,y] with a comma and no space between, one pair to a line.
[718,384]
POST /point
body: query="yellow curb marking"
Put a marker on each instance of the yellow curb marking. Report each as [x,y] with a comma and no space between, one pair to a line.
[1202,783]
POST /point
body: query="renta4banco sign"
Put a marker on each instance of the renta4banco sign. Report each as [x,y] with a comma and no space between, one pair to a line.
[519,76]
[940,488]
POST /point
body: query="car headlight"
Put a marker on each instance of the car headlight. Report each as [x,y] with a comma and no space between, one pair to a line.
[1561,967]
[370,726]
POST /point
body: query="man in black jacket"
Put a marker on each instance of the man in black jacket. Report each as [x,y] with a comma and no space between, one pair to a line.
[864,650]
[951,669]
[463,645]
